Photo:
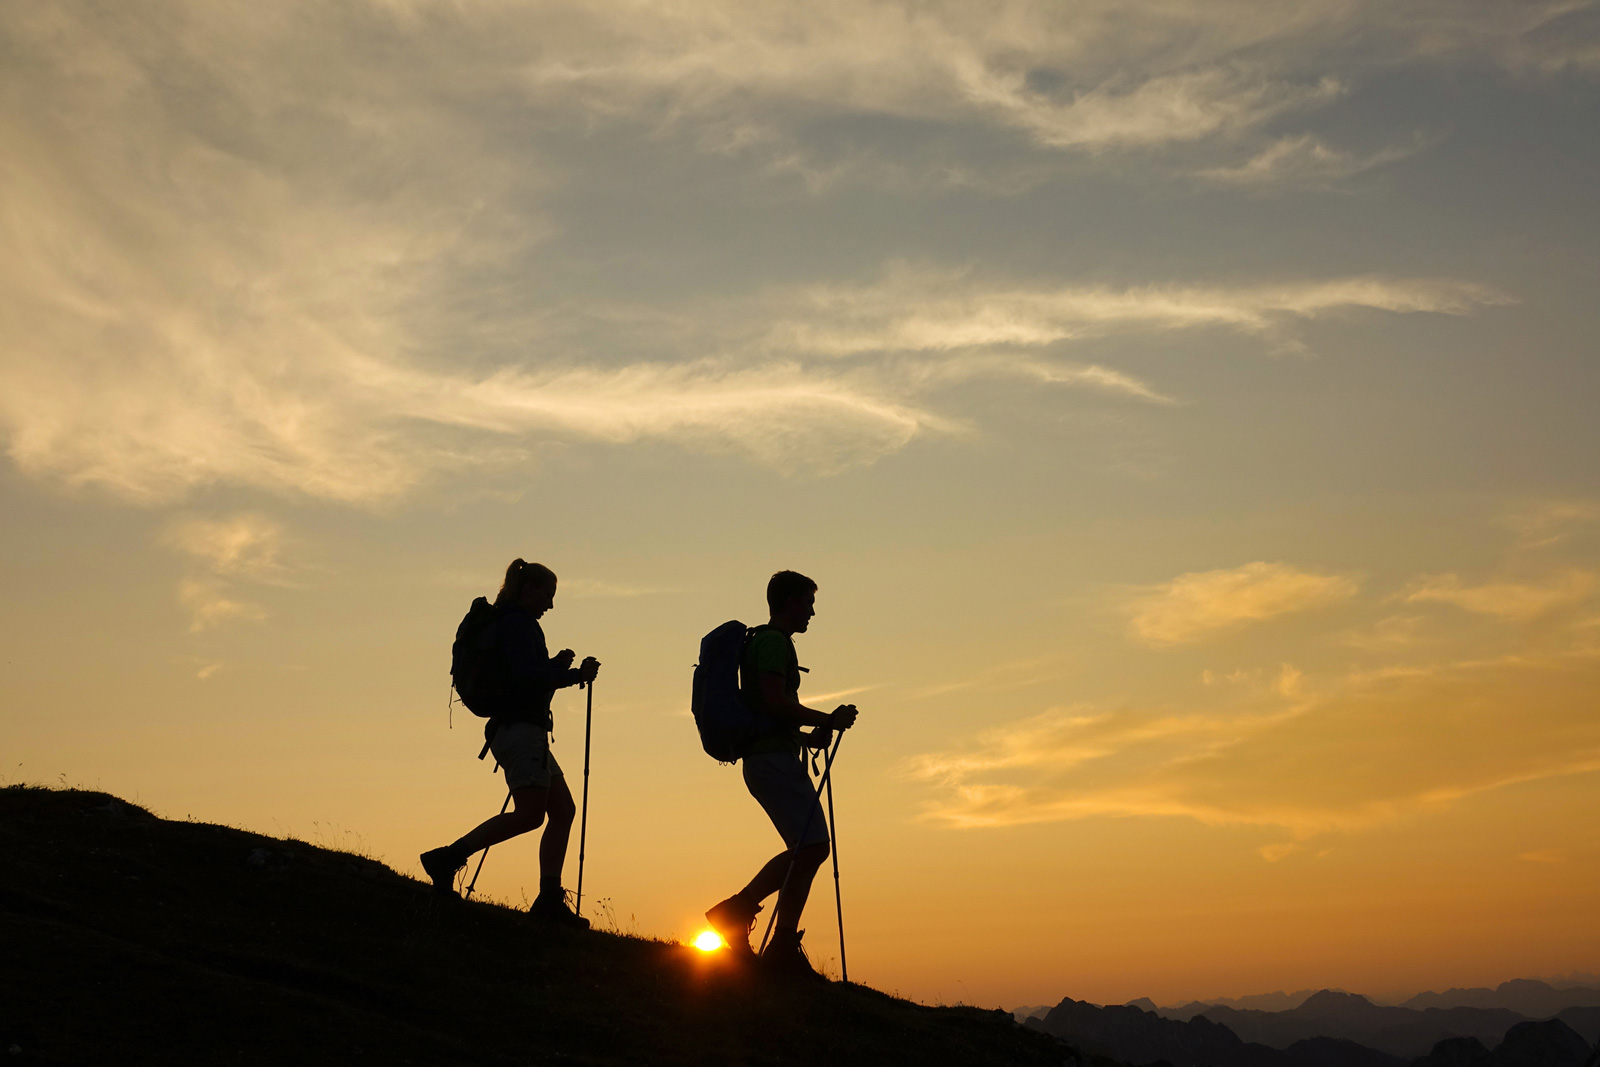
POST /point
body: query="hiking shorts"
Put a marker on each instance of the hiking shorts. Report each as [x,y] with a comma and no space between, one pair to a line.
[779,782]
[523,750]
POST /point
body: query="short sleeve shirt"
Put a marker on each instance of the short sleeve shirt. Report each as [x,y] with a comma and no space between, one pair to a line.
[770,652]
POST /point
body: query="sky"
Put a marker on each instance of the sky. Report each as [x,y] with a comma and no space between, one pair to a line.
[1186,410]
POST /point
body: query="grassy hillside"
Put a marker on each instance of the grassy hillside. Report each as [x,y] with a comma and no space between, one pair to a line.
[130,939]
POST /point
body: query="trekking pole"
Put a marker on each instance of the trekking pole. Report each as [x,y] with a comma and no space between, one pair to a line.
[827,770]
[838,905]
[583,827]
[485,853]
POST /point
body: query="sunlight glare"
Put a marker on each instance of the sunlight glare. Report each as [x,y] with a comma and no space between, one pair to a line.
[708,941]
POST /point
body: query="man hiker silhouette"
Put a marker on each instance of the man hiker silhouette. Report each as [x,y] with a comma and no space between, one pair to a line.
[518,733]
[775,774]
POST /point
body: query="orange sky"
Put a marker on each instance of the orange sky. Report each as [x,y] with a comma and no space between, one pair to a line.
[1186,410]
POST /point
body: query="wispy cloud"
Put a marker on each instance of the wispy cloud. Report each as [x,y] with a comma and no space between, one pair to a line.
[1543,855]
[922,309]
[226,551]
[839,694]
[1304,160]
[209,605]
[1550,522]
[1094,76]
[310,275]
[248,545]
[1195,605]
[1387,634]
[1508,600]
[1342,755]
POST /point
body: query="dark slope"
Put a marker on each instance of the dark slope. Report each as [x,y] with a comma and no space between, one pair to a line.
[128,939]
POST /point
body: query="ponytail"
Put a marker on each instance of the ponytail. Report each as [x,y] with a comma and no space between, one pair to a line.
[519,576]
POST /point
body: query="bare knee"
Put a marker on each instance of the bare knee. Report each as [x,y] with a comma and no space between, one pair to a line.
[529,808]
[812,855]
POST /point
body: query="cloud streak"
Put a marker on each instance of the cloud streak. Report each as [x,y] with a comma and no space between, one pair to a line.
[1354,753]
[1196,605]
[1300,161]
[241,548]
[245,249]
[1517,601]
[249,546]
[924,310]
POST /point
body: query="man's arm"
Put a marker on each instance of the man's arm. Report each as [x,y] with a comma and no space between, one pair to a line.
[780,705]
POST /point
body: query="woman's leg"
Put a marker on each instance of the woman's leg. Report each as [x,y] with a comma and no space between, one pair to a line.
[528,810]
[553,846]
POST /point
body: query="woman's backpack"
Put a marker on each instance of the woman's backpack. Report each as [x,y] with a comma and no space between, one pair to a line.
[477,673]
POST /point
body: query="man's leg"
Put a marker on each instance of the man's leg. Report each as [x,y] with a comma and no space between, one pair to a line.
[767,880]
[792,899]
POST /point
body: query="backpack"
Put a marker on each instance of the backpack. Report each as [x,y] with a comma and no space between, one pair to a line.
[475,671]
[726,723]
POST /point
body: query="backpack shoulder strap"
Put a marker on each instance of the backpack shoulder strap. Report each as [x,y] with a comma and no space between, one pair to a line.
[794,656]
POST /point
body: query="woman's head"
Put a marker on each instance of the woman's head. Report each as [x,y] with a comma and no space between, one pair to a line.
[526,582]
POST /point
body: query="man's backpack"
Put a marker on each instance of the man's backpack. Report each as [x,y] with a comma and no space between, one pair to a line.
[726,723]
[475,670]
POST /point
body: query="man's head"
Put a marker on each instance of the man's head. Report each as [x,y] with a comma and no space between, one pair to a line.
[792,600]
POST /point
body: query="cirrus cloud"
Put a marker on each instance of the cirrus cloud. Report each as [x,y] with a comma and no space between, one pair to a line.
[1519,601]
[1200,603]
[1348,754]
[245,248]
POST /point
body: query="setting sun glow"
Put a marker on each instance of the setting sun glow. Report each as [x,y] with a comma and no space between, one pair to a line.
[708,941]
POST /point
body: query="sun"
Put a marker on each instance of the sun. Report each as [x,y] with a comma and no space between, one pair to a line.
[708,941]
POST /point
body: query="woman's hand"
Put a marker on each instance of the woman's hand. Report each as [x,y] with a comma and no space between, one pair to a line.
[588,669]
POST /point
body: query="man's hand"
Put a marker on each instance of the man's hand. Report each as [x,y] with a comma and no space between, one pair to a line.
[588,669]
[820,737]
[563,659]
[843,717]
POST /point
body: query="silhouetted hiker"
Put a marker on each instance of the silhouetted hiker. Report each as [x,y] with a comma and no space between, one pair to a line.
[518,733]
[775,774]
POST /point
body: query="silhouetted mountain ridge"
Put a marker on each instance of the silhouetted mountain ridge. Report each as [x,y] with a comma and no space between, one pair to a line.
[1131,1033]
[1549,1043]
[1526,996]
[1402,1032]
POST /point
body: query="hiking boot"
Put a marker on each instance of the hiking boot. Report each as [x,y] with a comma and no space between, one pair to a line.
[733,920]
[551,906]
[785,956]
[441,865]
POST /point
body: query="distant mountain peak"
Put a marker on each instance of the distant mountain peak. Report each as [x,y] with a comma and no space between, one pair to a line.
[1332,998]
[1524,985]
